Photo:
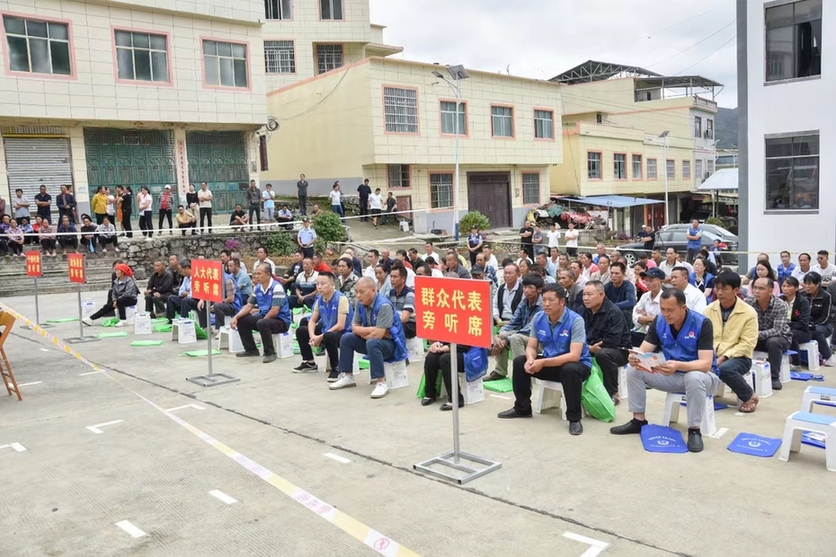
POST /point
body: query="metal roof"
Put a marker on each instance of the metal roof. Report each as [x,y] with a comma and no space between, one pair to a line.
[723,179]
[612,201]
[675,82]
[592,70]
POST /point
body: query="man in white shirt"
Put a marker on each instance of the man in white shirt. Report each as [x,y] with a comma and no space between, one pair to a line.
[694,298]
[262,258]
[647,308]
[490,258]
[554,237]
[803,267]
[429,252]
[21,205]
[373,257]
[375,206]
[824,268]
[669,263]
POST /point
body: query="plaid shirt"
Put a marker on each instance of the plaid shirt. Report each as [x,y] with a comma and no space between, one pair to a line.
[775,321]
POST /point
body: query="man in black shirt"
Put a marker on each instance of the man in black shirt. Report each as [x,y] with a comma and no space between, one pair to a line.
[43,200]
[526,234]
[645,236]
[302,190]
[364,191]
[391,203]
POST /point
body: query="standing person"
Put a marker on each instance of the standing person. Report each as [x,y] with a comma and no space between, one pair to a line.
[165,207]
[254,202]
[266,311]
[99,204]
[364,191]
[302,192]
[475,242]
[3,205]
[117,204]
[336,200]
[694,236]
[44,203]
[191,200]
[144,202]
[554,238]
[21,205]
[66,204]
[571,237]
[204,202]
[127,206]
[526,234]
[111,206]
[306,238]
[269,198]
[538,239]
[391,205]
[375,206]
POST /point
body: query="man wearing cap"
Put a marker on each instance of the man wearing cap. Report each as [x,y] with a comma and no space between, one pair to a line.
[254,202]
[306,238]
[647,308]
[266,311]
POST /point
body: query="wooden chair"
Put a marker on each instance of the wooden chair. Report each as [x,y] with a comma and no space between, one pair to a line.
[7,321]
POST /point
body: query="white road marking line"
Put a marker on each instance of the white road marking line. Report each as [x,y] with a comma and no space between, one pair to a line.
[502,397]
[131,529]
[222,496]
[4,446]
[195,406]
[29,384]
[739,413]
[44,350]
[719,433]
[336,457]
[18,447]
[95,428]
[90,373]
[597,546]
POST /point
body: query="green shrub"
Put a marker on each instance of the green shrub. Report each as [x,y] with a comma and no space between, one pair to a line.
[281,244]
[715,221]
[473,219]
[328,227]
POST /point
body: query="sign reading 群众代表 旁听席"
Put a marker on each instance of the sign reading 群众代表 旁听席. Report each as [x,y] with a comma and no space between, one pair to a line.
[453,310]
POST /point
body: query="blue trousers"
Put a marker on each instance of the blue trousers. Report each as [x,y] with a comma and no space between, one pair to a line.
[731,373]
[378,350]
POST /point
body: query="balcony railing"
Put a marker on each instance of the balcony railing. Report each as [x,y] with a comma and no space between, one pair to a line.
[699,101]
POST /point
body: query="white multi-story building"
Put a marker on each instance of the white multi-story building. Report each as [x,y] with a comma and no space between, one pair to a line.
[787,126]
[139,92]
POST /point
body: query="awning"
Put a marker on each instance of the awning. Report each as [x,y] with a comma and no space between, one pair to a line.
[613,201]
[723,179]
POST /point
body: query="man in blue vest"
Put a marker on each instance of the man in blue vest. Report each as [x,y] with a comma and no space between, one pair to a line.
[375,331]
[266,311]
[331,317]
[694,236]
[687,341]
[559,333]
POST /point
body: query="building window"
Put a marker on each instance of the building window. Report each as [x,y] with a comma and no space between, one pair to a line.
[400,107]
[793,40]
[441,190]
[637,167]
[141,56]
[792,172]
[697,126]
[698,170]
[709,167]
[531,188]
[398,176]
[331,9]
[593,166]
[651,169]
[37,46]
[225,64]
[279,57]
[686,170]
[709,129]
[277,9]
[544,124]
[329,57]
[448,118]
[502,121]
[671,170]
[619,166]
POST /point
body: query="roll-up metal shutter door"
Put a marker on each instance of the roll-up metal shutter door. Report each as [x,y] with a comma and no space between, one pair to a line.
[32,162]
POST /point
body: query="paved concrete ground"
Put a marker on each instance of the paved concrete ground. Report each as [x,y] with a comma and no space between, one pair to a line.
[64,494]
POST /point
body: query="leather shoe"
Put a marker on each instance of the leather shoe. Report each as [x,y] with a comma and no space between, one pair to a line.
[426,401]
[776,385]
[493,376]
[633,426]
[695,440]
[269,358]
[512,413]
[575,428]
[248,354]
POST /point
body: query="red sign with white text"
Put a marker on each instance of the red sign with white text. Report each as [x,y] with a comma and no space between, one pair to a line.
[76,265]
[207,280]
[453,310]
[33,264]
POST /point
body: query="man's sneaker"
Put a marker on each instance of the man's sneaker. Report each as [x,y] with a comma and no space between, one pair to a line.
[695,440]
[343,381]
[306,367]
[776,385]
[381,389]
[493,376]
[268,358]
[121,323]
[830,362]
[795,368]
[87,321]
[633,426]
[333,376]
[248,354]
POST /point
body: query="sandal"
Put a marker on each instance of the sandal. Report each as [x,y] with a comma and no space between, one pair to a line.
[750,405]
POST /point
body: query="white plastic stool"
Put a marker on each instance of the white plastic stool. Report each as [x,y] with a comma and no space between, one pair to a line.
[130,315]
[812,349]
[762,378]
[88,308]
[807,421]
[473,391]
[544,400]
[229,338]
[183,331]
[356,365]
[814,395]
[395,373]
[142,323]
[784,374]
[283,343]
[415,348]
[722,388]
[622,382]
[675,400]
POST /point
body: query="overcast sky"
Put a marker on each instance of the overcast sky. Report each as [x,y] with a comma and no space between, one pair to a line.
[542,38]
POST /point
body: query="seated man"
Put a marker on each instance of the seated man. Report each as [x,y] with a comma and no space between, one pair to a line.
[160,287]
[438,358]
[183,302]
[648,307]
[508,295]
[233,299]
[185,220]
[403,298]
[607,334]
[305,286]
[284,217]
[559,333]
[620,291]
[694,298]
[821,312]
[735,326]
[331,317]
[346,279]
[238,219]
[774,336]
[266,311]
[687,341]
[375,331]
[574,290]
[294,269]
[513,336]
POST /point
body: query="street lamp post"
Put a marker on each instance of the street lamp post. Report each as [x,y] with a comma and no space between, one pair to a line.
[664,136]
[457,73]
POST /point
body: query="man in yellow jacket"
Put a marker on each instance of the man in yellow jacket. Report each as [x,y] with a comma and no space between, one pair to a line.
[735,336]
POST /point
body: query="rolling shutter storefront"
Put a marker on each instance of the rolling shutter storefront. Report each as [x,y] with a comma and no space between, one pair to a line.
[32,162]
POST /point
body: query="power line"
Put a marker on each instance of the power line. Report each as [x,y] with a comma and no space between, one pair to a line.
[693,45]
[710,54]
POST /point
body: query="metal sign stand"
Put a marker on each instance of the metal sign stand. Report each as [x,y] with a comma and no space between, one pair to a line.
[37,312]
[454,458]
[213,379]
[81,338]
